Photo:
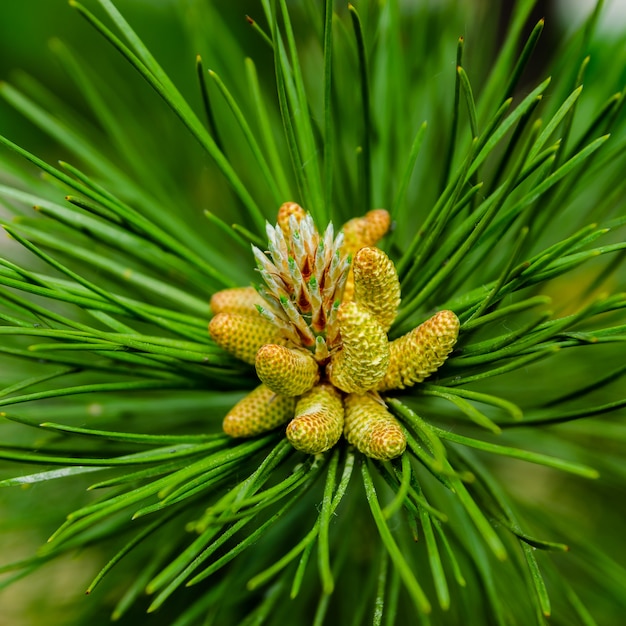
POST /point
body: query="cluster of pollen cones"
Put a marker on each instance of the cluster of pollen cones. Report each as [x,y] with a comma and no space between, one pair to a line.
[316,332]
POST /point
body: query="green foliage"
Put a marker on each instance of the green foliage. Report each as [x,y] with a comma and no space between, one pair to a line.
[507,199]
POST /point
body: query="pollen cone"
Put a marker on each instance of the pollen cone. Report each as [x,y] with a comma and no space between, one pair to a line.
[285,371]
[261,410]
[376,285]
[242,335]
[365,231]
[237,300]
[372,429]
[286,210]
[360,232]
[419,353]
[318,423]
[362,361]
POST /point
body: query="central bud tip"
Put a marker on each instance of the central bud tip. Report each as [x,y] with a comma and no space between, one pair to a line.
[304,275]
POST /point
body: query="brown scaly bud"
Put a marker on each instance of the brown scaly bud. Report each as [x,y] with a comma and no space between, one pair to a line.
[372,429]
[362,361]
[286,371]
[376,285]
[261,410]
[304,274]
[287,209]
[318,423]
[243,335]
[237,300]
[419,353]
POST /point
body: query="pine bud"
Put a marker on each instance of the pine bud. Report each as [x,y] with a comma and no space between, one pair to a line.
[261,410]
[363,359]
[243,335]
[419,353]
[376,285]
[372,429]
[318,423]
[286,371]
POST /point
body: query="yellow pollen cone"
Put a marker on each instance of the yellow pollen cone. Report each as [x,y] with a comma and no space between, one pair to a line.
[376,285]
[372,429]
[237,300]
[348,290]
[261,410]
[318,423]
[365,231]
[362,361]
[285,371]
[378,223]
[243,335]
[360,232]
[286,210]
[419,353]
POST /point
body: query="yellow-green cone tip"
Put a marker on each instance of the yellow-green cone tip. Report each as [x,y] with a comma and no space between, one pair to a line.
[372,429]
[260,411]
[286,371]
[318,423]
[419,353]
[376,285]
[238,300]
[242,335]
[361,363]
[360,232]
